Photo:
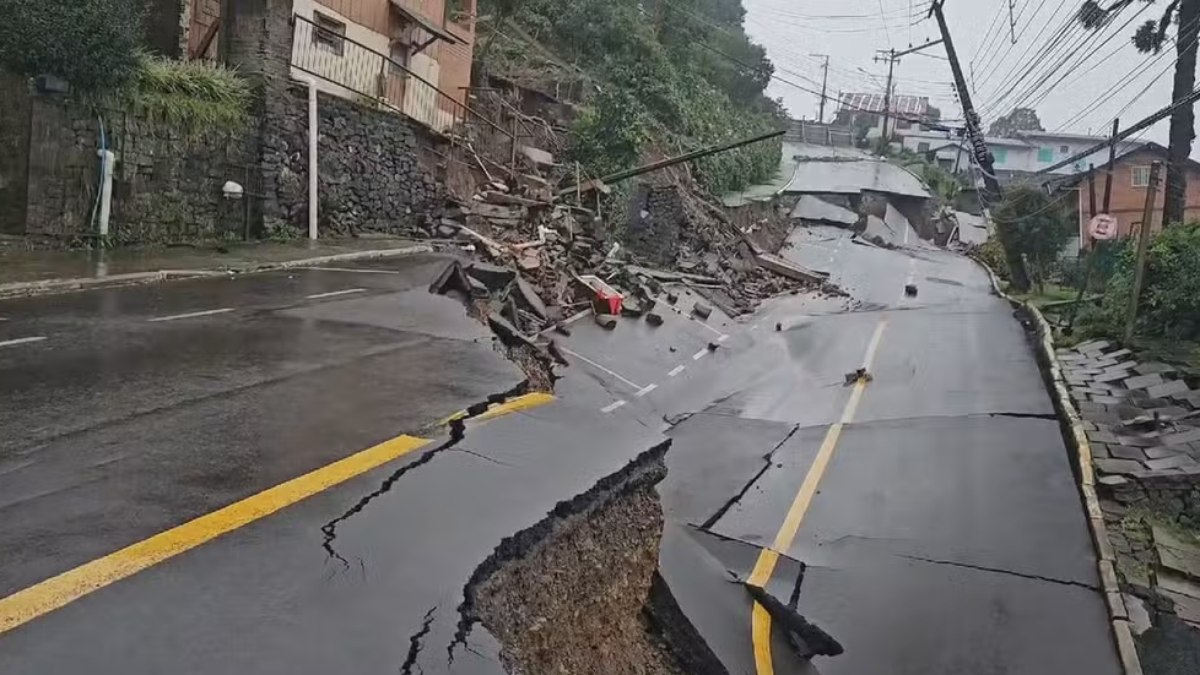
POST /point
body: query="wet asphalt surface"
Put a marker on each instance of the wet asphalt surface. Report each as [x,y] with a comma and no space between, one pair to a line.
[946,536]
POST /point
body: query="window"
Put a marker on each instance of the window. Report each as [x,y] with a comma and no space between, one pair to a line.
[1046,155]
[1064,149]
[1141,176]
[922,147]
[329,34]
[1000,155]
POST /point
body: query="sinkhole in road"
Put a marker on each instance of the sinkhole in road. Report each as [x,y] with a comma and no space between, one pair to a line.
[579,592]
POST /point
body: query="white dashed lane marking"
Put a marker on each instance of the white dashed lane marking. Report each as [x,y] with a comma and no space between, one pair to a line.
[612,406]
[581,357]
[646,390]
[334,294]
[700,354]
[191,315]
[21,341]
[676,370]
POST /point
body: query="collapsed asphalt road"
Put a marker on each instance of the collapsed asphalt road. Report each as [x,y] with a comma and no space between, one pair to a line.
[926,519]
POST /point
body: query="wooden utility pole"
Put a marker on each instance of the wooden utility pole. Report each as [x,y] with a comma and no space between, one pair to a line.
[824,86]
[1112,161]
[891,58]
[1139,272]
[983,157]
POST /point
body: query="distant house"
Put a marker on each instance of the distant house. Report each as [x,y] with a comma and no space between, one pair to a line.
[1017,158]
[858,111]
[1130,180]
[412,56]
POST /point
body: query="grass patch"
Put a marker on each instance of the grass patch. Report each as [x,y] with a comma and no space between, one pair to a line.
[194,97]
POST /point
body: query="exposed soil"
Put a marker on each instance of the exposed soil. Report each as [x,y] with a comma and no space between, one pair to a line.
[570,594]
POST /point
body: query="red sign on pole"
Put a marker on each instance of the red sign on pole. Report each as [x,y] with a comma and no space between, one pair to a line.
[1102,227]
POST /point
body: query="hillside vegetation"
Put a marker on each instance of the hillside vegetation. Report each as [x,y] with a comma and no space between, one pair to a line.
[651,76]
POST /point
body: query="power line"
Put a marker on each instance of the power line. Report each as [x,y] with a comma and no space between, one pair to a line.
[1020,64]
[1143,124]
[883,20]
[993,61]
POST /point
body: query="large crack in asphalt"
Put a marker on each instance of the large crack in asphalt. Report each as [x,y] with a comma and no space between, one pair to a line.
[580,592]
[768,462]
[416,642]
[458,431]
[999,570]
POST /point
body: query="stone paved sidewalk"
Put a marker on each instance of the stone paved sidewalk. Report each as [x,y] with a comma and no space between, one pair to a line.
[1142,421]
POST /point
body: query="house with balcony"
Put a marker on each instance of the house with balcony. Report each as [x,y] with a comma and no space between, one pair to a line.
[409,56]
[865,111]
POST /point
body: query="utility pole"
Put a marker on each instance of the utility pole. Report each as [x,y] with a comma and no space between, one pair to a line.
[983,157]
[1139,272]
[893,57]
[824,85]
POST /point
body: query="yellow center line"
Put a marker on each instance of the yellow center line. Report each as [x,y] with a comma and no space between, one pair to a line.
[760,620]
[53,593]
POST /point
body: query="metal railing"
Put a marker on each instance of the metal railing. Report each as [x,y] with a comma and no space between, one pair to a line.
[350,69]
[819,134]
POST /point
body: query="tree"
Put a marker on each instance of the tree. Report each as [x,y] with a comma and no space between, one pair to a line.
[1020,119]
[1150,37]
[92,44]
[1034,225]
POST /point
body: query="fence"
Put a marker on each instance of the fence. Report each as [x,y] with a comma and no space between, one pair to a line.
[819,134]
[348,68]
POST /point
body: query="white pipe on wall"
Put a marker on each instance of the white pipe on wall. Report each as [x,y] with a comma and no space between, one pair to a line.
[313,134]
[107,162]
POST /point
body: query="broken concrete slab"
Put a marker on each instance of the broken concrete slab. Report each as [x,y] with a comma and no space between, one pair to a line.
[529,296]
[495,277]
[537,155]
[1177,551]
[654,319]
[813,208]
[606,321]
[701,310]
[789,269]
[1119,466]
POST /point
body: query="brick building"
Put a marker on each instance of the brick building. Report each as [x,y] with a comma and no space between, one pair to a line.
[1130,178]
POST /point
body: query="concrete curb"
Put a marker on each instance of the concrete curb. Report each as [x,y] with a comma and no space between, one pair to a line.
[1076,439]
[25,289]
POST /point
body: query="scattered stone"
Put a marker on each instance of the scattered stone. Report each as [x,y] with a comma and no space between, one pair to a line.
[1177,553]
[712,346]
[562,329]
[700,309]
[1181,438]
[654,319]
[531,298]
[1152,367]
[606,321]
[910,290]
[632,307]
[1126,452]
[1176,462]
[1103,436]
[1168,389]
[1159,453]
[672,298]
[1118,466]
[860,375]
[778,327]
[1143,381]
[1139,616]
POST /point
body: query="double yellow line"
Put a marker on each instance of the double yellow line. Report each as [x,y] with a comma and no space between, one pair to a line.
[760,621]
[56,592]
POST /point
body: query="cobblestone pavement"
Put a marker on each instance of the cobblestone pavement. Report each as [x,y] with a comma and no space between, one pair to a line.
[1143,426]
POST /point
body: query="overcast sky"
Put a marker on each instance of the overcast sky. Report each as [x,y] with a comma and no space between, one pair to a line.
[850,31]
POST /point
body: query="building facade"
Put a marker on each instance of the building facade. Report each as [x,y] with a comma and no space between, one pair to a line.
[410,56]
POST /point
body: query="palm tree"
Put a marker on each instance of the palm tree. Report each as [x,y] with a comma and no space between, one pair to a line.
[1151,37]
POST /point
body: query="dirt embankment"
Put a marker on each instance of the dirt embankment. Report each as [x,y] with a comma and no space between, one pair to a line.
[573,594]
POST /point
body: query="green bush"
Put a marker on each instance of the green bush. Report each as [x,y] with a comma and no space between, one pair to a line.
[650,82]
[992,255]
[1170,300]
[92,44]
[1034,225]
[193,96]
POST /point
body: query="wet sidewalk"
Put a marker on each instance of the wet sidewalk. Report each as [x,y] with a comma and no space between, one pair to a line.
[28,272]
